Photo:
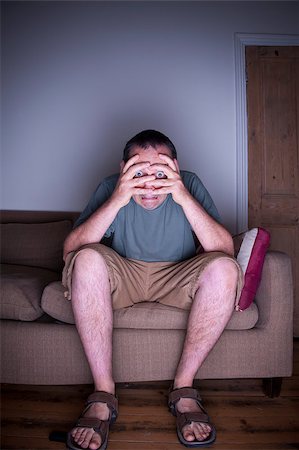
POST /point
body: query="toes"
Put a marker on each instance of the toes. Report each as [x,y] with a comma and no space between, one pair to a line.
[95,442]
[188,435]
[80,437]
[196,431]
[74,432]
[202,431]
[77,433]
[86,438]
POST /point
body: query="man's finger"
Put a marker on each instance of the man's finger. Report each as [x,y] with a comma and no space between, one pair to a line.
[169,161]
[130,163]
[131,172]
[143,191]
[164,168]
[143,180]
[162,190]
[162,182]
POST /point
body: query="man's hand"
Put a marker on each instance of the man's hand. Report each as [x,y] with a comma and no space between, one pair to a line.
[211,235]
[128,185]
[172,183]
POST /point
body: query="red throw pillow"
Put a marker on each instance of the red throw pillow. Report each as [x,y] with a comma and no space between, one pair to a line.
[251,258]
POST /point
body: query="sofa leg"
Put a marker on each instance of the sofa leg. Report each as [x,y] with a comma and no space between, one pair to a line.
[272,387]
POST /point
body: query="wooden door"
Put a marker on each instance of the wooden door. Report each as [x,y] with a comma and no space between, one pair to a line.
[273,141]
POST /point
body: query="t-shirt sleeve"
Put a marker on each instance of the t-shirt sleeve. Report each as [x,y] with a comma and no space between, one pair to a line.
[98,198]
[200,193]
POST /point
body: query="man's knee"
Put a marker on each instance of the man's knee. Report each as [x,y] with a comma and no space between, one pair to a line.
[88,260]
[221,272]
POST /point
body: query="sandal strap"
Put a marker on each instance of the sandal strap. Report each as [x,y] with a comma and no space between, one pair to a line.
[185,392]
[104,397]
[184,419]
[89,422]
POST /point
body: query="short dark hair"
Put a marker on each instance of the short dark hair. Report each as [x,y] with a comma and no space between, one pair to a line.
[148,138]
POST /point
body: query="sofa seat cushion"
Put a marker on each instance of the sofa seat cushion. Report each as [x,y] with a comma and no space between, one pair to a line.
[21,291]
[143,315]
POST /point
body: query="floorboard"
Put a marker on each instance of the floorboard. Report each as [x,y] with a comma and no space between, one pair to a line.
[244,418]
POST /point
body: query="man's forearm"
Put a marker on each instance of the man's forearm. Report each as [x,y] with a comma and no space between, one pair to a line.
[93,229]
[211,235]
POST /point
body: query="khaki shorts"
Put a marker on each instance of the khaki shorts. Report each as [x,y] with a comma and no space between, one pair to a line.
[133,281]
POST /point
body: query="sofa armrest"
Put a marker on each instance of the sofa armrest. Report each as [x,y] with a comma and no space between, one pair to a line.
[274,297]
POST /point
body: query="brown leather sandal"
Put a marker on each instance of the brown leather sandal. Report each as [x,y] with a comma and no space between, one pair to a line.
[183,419]
[99,426]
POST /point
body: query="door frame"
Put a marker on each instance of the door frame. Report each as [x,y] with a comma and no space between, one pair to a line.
[241,40]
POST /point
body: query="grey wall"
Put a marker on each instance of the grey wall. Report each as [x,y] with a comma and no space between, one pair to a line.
[80,78]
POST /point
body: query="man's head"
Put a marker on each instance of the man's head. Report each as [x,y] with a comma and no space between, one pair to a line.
[146,139]
[149,145]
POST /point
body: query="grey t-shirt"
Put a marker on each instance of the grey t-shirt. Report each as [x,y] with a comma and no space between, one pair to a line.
[161,234]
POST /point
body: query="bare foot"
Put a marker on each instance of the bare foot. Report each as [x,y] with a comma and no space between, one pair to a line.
[87,437]
[196,430]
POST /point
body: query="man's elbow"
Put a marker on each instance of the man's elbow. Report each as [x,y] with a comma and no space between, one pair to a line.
[229,246]
[65,252]
[224,245]
[67,248]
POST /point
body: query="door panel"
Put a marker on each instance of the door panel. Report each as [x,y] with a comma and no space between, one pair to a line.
[273,130]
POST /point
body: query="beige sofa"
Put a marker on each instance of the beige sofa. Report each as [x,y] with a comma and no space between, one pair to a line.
[40,344]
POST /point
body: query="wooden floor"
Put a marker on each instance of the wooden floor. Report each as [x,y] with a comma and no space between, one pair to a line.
[245,419]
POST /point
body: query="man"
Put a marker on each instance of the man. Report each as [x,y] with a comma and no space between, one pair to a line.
[155,216]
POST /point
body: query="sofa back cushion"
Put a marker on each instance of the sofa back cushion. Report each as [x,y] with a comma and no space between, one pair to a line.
[34,244]
[251,256]
[21,291]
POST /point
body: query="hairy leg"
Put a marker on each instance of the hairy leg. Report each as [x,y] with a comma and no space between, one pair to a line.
[211,310]
[92,307]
